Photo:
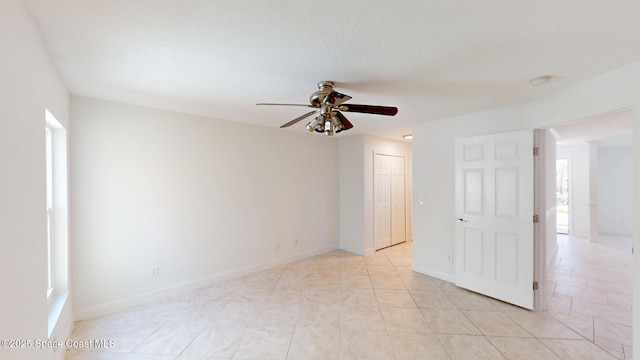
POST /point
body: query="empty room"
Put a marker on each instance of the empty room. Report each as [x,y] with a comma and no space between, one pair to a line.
[195,180]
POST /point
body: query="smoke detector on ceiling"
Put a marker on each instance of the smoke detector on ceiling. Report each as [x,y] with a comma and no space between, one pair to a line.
[540,80]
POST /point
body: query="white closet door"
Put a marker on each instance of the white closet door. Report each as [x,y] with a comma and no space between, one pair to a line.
[389,200]
[382,201]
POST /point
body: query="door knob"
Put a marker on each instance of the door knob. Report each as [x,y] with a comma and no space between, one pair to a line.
[462,220]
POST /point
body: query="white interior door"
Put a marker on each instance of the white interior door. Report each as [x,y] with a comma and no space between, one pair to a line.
[494,210]
[382,201]
[398,205]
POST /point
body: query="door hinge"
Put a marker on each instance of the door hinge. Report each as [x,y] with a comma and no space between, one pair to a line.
[535,285]
[536,151]
[536,219]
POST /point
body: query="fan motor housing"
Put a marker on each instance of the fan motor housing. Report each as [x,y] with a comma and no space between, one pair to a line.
[324,88]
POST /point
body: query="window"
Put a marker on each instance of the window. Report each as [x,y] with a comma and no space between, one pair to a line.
[56,217]
[562,196]
[49,175]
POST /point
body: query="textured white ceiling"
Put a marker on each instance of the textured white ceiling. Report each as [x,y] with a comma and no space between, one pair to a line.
[432,59]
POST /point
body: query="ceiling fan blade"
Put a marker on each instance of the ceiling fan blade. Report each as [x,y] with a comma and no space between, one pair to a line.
[346,123]
[301,117]
[337,98]
[305,105]
[370,109]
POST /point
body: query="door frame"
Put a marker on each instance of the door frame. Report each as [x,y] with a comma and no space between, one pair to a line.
[541,169]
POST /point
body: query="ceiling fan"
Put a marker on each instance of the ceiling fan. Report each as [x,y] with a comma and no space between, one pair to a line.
[328,104]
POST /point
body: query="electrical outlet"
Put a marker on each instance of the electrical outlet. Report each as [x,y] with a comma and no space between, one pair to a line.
[277,246]
[450,258]
[155,272]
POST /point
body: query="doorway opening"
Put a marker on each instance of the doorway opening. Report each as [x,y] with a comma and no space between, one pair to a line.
[591,273]
[562,196]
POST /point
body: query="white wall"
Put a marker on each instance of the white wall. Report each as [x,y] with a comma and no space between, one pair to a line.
[30,83]
[356,186]
[615,190]
[352,213]
[578,156]
[636,226]
[198,197]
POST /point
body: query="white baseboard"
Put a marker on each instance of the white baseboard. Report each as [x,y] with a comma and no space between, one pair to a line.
[615,233]
[358,252]
[584,236]
[191,285]
[368,252]
[436,274]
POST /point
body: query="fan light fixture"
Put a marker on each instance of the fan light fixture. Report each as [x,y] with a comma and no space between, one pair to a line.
[328,105]
[407,137]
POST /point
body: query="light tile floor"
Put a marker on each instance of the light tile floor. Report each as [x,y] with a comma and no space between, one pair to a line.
[593,289]
[344,306]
